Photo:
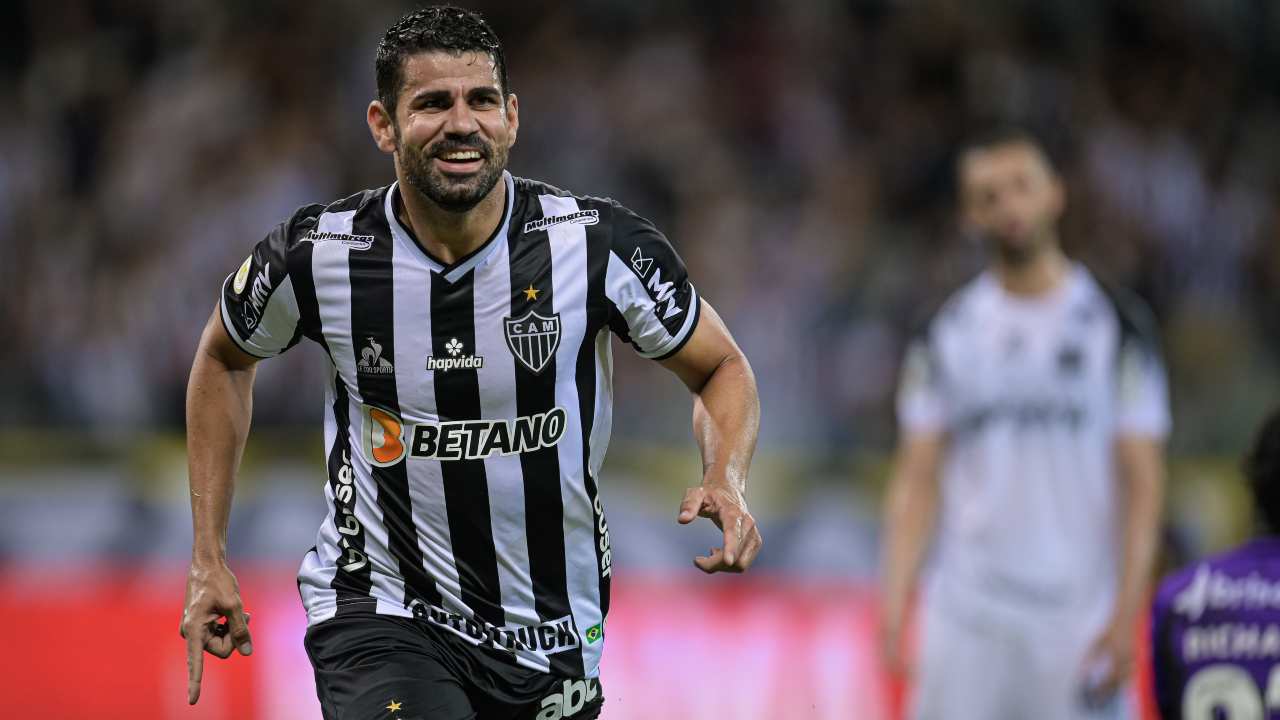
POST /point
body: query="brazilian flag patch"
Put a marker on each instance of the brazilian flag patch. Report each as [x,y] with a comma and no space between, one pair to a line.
[595,633]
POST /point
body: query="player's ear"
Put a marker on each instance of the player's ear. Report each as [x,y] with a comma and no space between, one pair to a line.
[965,211]
[1058,197]
[513,118]
[382,127]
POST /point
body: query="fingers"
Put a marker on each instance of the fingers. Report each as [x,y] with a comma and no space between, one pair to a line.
[891,656]
[893,651]
[742,541]
[691,505]
[1106,670]
[223,639]
[750,546]
[204,633]
[732,523]
[195,660]
[712,562]
[238,626]
[716,560]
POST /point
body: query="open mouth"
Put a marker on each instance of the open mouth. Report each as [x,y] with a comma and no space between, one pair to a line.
[460,161]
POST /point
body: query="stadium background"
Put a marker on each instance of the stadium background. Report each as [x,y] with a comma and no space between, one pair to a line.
[798,155]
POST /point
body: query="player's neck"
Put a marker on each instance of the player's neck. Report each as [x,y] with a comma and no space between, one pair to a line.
[1036,276]
[450,236]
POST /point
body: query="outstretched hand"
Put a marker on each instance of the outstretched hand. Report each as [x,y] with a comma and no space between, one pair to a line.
[212,593]
[726,507]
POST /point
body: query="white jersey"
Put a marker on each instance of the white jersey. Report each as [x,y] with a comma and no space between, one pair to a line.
[1031,393]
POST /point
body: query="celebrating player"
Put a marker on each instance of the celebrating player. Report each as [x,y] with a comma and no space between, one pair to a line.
[1033,410]
[464,567]
[1215,628]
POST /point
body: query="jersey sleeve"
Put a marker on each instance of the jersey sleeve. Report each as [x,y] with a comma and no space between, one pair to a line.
[922,403]
[258,305]
[654,307]
[1142,393]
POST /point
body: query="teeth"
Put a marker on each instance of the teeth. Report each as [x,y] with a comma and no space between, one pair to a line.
[463,155]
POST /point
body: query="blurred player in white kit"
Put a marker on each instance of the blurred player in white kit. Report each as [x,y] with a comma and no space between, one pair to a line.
[1033,410]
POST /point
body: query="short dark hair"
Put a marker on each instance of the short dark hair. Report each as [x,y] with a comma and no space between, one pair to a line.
[438,27]
[1002,135]
[1262,472]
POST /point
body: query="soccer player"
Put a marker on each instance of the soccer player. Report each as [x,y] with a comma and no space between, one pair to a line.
[463,568]
[1215,630]
[1033,409]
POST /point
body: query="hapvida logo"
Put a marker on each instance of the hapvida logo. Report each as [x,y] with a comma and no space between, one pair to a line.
[455,360]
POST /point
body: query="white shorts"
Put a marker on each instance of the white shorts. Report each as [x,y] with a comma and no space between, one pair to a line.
[983,668]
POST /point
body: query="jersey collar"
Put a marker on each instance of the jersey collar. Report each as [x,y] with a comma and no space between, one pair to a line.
[452,273]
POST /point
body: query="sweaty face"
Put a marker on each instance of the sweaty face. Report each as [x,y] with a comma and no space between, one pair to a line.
[454,128]
[1011,197]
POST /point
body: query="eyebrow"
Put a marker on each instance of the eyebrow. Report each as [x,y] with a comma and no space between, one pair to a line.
[477,92]
[430,95]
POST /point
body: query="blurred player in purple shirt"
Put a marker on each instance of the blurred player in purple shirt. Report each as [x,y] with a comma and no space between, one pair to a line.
[1216,625]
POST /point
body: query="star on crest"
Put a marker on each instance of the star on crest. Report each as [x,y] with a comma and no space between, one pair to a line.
[393,706]
[531,293]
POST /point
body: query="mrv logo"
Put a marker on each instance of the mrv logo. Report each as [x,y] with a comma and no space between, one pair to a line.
[387,439]
[663,293]
[259,292]
[550,637]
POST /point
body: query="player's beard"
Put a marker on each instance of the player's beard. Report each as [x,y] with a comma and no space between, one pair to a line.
[453,193]
[1016,255]
[1021,252]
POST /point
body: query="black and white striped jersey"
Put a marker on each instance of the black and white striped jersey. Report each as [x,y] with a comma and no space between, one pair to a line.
[468,406]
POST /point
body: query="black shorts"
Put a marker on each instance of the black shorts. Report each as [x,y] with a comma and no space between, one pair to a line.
[380,667]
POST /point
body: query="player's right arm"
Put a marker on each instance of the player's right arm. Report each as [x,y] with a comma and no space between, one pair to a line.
[219,408]
[913,495]
[910,512]
[257,317]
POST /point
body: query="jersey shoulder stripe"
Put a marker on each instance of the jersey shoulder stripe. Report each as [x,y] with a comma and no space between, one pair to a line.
[1136,321]
[258,306]
[651,303]
[955,308]
[538,187]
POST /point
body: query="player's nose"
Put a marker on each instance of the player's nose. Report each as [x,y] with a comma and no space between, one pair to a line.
[461,120]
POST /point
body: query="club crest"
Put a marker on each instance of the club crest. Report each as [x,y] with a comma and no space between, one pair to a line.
[533,339]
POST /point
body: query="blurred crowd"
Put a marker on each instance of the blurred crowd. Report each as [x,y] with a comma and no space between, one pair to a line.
[798,154]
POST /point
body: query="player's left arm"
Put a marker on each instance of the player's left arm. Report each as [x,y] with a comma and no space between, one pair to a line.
[726,421]
[1142,424]
[1140,471]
